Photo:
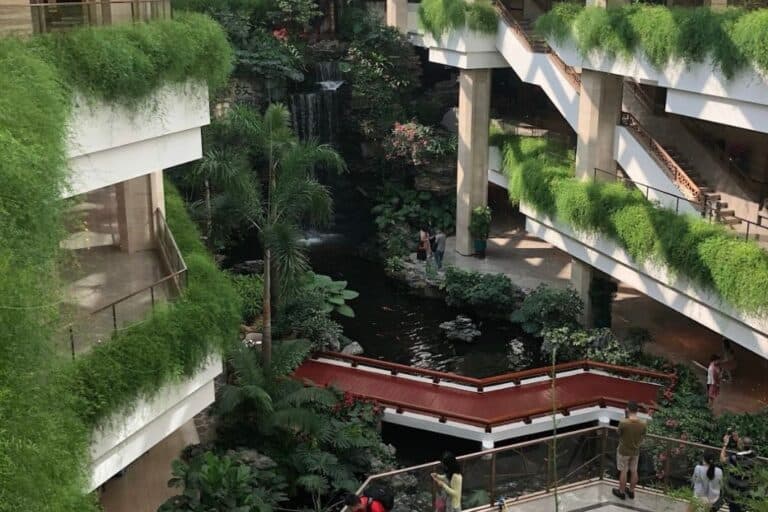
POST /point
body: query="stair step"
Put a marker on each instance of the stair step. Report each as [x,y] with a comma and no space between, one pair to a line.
[721,204]
[730,221]
[726,213]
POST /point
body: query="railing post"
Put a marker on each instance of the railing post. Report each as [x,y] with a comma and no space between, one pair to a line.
[152,295]
[746,236]
[114,317]
[667,464]
[492,482]
[603,447]
[72,341]
[677,204]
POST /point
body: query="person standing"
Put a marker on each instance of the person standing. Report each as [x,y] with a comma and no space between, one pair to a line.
[631,433]
[707,483]
[740,468]
[449,484]
[713,379]
[423,250]
[440,239]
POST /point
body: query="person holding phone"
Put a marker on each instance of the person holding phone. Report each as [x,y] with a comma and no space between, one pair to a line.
[449,485]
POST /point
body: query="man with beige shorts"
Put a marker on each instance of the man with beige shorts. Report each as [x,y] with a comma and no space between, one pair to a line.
[631,433]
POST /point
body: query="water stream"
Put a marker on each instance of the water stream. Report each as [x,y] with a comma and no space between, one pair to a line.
[315,114]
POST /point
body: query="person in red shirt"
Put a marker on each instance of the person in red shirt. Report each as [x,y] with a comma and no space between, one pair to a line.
[360,504]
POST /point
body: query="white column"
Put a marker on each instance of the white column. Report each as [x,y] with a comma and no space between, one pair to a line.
[472,168]
[134,214]
[397,15]
[581,279]
[599,111]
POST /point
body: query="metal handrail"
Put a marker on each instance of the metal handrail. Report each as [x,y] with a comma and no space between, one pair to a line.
[570,73]
[602,452]
[673,169]
[178,276]
[704,207]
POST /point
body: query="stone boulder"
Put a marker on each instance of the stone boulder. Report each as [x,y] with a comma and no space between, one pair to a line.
[460,329]
[353,349]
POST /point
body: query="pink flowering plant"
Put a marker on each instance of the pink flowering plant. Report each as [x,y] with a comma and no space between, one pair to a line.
[416,144]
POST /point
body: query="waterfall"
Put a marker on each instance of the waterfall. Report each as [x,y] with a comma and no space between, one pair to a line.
[316,114]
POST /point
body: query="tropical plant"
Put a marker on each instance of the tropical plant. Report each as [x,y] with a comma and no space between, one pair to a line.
[489,294]
[320,440]
[280,198]
[222,482]
[293,14]
[305,315]
[480,222]
[441,16]
[334,294]
[382,65]
[547,307]
[250,289]
[571,343]
[415,144]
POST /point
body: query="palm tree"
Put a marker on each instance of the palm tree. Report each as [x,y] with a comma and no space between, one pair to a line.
[286,196]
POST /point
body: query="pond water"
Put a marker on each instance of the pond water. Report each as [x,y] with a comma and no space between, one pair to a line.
[393,325]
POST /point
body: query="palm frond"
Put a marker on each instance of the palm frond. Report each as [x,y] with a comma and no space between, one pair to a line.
[308,395]
[288,355]
[288,255]
[294,418]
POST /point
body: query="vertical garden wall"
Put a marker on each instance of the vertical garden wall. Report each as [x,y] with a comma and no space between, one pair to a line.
[48,406]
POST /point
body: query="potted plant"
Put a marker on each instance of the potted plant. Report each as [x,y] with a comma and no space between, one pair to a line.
[479,228]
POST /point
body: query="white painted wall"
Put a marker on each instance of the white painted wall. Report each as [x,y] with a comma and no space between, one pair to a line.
[127,436]
[740,114]
[643,168]
[653,280]
[747,90]
[109,143]
[539,69]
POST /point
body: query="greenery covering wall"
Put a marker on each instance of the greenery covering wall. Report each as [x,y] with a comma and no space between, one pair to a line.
[441,16]
[732,38]
[44,459]
[541,175]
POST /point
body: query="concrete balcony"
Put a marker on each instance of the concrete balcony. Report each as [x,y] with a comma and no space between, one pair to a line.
[130,434]
[696,90]
[653,280]
[111,143]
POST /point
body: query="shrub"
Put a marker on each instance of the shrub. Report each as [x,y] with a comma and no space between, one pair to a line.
[491,294]
[541,174]
[250,290]
[303,316]
[441,16]
[731,38]
[573,344]
[416,144]
[548,307]
[480,222]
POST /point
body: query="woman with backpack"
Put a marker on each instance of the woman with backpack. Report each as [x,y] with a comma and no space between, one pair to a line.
[707,482]
[449,485]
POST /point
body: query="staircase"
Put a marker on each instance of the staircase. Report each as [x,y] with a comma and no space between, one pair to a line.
[537,43]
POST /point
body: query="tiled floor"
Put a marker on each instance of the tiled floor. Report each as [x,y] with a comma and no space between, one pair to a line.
[597,497]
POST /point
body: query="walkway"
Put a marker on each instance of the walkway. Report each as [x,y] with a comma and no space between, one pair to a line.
[489,403]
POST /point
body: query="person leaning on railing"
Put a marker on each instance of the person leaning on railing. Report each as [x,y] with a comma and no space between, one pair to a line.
[740,468]
[631,434]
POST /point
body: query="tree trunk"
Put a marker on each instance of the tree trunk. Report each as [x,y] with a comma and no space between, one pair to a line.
[266,343]
[208,212]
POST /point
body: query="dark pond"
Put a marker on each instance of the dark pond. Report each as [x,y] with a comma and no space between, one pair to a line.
[393,325]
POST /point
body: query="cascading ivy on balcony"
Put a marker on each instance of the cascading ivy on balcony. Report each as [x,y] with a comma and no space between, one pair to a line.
[45,416]
[732,39]
[541,175]
[439,17]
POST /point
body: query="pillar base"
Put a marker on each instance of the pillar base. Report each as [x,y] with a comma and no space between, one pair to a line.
[581,279]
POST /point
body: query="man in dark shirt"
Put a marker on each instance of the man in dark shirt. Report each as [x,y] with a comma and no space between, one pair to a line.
[739,470]
[631,433]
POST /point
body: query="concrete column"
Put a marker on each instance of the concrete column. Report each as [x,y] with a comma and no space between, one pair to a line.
[599,111]
[134,214]
[397,15]
[472,168]
[157,197]
[581,279]
[717,5]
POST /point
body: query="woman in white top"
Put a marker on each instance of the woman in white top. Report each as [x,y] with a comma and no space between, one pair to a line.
[449,485]
[707,483]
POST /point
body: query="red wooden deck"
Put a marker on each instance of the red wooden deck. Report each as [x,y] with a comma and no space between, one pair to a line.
[488,408]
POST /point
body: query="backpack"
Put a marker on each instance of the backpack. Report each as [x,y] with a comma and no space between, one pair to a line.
[383,495]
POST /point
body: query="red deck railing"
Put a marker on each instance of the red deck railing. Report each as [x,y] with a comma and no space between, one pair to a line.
[525,413]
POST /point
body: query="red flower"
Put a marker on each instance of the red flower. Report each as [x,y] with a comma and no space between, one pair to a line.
[280,34]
